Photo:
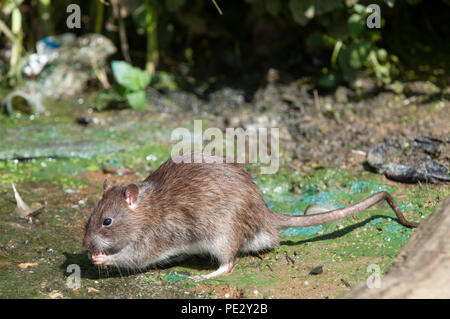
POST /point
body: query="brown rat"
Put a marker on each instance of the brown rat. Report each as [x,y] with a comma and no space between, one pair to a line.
[195,208]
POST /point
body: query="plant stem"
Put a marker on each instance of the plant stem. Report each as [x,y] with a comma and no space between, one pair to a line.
[152,55]
[122,31]
[16,50]
[99,17]
[4,28]
[45,14]
[217,7]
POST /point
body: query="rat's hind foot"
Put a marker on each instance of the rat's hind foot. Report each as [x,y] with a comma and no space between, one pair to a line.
[223,269]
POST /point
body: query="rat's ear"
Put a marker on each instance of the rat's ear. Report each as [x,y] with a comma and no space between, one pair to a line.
[131,195]
[106,185]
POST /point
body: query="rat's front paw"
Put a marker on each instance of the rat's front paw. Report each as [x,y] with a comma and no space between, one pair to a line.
[100,259]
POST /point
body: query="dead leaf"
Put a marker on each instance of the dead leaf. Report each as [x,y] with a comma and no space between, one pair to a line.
[90,289]
[2,262]
[27,265]
[55,294]
[23,209]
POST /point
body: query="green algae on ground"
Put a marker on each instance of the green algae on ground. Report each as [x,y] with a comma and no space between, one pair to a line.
[346,247]
[174,277]
[372,234]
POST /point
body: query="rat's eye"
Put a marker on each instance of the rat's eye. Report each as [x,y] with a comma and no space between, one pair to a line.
[107,221]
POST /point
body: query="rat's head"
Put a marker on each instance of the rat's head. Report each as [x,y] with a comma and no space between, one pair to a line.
[111,226]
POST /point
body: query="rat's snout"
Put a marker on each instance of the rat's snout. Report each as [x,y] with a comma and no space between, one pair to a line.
[87,242]
[92,243]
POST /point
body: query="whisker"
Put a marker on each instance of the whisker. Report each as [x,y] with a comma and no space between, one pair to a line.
[118,269]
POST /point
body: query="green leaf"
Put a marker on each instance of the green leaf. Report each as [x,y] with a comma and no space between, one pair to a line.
[139,17]
[352,58]
[165,81]
[358,53]
[351,3]
[390,3]
[359,8]
[302,11]
[330,80]
[382,55]
[133,78]
[119,89]
[355,25]
[137,100]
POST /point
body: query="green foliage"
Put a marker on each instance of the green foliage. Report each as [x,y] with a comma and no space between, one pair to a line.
[361,51]
[354,50]
[133,82]
[211,40]
[164,81]
[130,77]
[305,10]
[355,24]
[130,87]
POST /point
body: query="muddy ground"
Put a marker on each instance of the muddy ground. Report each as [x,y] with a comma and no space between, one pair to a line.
[323,144]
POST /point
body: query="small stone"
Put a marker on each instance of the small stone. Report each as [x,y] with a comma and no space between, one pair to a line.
[316,270]
[71,191]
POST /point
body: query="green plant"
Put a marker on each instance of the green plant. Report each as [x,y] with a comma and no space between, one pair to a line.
[362,52]
[15,36]
[132,83]
[354,48]
[358,51]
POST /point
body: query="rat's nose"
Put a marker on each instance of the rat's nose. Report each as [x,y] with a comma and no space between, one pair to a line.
[87,243]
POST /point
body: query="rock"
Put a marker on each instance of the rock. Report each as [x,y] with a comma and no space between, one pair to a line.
[409,160]
[341,94]
[316,270]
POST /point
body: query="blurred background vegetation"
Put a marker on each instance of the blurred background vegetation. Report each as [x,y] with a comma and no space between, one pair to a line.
[195,42]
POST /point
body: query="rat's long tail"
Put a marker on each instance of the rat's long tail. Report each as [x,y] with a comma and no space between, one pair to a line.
[286,221]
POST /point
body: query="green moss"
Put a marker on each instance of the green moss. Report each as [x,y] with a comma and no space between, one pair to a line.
[373,236]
